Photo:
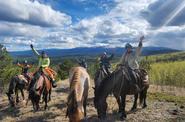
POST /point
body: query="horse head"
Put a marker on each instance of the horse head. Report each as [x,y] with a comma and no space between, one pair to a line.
[144,76]
[74,112]
[11,99]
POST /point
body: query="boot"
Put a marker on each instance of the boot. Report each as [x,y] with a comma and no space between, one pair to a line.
[54,83]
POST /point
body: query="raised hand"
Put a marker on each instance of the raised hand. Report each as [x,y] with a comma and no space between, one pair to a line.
[142,38]
[31,46]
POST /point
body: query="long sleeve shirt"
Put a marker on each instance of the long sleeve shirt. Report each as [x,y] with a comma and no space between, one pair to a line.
[43,62]
[130,58]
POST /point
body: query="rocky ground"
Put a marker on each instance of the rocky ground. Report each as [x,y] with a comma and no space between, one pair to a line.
[159,109]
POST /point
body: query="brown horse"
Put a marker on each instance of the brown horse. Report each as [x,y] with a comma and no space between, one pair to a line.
[119,83]
[40,85]
[79,85]
[18,82]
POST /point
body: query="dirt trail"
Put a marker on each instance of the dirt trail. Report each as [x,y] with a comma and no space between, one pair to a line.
[156,111]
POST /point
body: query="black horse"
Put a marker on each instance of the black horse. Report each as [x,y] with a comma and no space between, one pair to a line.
[120,84]
[15,85]
[99,76]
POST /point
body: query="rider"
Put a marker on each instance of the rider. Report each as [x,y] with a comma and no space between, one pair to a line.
[82,62]
[25,67]
[105,62]
[44,63]
[130,57]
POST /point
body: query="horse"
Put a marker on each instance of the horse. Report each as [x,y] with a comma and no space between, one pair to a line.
[77,99]
[40,85]
[99,76]
[17,83]
[120,84]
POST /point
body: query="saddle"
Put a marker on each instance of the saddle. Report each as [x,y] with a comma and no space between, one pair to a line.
[137,76]
[40,78]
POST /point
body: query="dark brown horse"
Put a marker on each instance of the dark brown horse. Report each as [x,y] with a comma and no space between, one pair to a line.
[77,100]
[17,83]
[121,84]
[40,85]
[99,76]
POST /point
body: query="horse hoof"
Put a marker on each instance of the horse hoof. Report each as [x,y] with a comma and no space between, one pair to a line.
[144,106]
[133,109]
[123,118]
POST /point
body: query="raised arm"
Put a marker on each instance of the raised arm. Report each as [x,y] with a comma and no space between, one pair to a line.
[20,65]
[138,49]
[34,51]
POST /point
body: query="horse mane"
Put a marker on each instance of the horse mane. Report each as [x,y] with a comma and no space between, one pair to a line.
[103,83]
[72,98]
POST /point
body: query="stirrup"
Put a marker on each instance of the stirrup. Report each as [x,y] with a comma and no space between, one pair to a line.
[54,85]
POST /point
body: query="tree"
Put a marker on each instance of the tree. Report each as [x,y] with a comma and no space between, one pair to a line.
[64,68]
[6,68]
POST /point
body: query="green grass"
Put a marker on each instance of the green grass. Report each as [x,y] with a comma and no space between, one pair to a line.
[167,98]
[170,73]
[170,57]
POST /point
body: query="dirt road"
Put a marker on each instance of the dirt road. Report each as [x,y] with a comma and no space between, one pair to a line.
[158,111]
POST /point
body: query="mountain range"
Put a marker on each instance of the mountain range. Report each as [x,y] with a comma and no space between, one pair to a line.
[92,51]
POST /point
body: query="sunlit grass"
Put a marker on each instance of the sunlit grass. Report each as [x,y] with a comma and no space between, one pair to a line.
[170,73]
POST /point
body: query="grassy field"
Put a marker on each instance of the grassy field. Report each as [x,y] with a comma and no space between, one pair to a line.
[168,73]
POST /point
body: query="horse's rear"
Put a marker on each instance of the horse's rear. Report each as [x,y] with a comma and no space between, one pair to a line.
[79,85]
[38,86]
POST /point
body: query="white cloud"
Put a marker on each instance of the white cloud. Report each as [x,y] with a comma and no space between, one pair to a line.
[35,13]
[124,23]
[8,29]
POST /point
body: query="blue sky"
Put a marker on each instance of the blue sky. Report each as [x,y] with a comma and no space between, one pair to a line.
[86,23]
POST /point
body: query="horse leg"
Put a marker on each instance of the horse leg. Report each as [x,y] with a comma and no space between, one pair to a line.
[49,95]
[123,114]
[134,107]
[17,95]
[84,105]
[144,97]
[27,99]
[22,93]
[118,99]
[33,103]
[46,100]
[37,103]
